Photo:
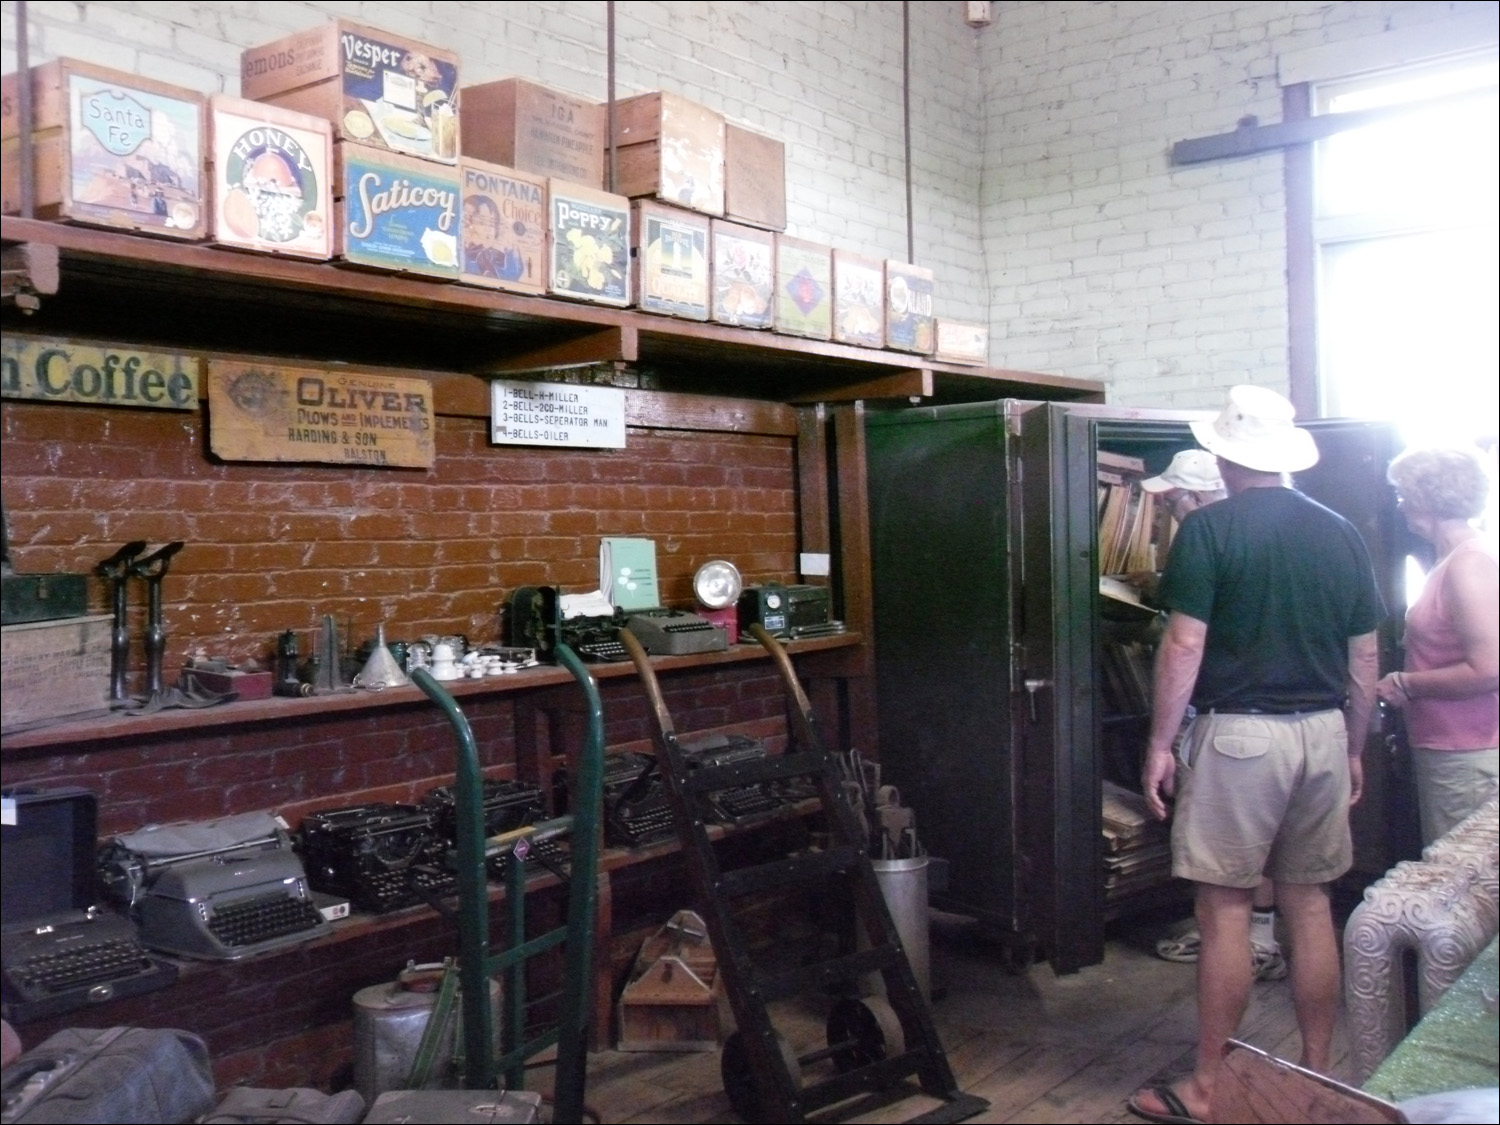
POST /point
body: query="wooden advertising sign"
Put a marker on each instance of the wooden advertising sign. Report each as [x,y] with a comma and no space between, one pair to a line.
[47,369]
[271,412]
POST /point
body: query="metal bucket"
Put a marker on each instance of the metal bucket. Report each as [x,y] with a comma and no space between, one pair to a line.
[903,883]
[389,1020]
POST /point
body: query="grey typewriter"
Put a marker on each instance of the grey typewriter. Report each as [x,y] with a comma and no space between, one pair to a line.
[218,890]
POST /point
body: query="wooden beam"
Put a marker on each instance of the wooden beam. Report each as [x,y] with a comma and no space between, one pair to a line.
[913,383]
[28,272]
[616,344]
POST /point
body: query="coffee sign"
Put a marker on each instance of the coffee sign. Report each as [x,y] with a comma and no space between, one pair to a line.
[45,369]
[264,411]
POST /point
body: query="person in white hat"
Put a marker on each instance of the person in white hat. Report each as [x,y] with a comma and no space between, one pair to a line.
[1190,482]
[1271,637]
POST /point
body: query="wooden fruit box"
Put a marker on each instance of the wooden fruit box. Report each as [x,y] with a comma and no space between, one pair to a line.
[670,260]
[395,212]
[670,148]
[804,288]
[504,227]
[377,88]
[754,178]
[53,670]
[109,149]
[744,275]
[271,171]
[534,128]
[960,341]
[908,307]
[858,300]
[589,244]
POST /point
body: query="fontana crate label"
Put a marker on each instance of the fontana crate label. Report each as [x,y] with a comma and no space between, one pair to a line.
[399,213]
[908,307]
[858,300]
[504,227]
[273,186]
[590,244]
[134,151]
[744,275]
[673,261]
[804,282]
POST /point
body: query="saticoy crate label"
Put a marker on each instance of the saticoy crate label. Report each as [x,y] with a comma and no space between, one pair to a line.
[400,216]
[134,151]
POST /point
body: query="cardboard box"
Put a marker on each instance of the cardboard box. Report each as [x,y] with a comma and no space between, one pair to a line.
[669,260]
[52,670]
[804,288]
[959,341]
[744,275]
[109,150]
[395,212]
[754,178]
[858,300]
[504,227]
[670,148]
[589,244]
[908,307]
[534,128]
[378,89]
[271,171]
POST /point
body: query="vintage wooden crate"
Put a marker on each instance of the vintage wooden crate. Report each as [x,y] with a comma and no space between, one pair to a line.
[54,669]
[271,171]
[395,212]
[804,288]
[754,178]
[858,300]
[534,128]
[109,149]
[908,307]
[671,148]
[744,275]
[670,260]
[960,341]
[377,88]
[589,244]
[504,227]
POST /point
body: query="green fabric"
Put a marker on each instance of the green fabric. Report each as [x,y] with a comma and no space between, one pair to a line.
[1457,1044]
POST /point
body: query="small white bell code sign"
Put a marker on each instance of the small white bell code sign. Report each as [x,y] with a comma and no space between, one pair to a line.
[556,414]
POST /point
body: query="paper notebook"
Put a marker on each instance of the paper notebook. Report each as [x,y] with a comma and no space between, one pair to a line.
[627,572]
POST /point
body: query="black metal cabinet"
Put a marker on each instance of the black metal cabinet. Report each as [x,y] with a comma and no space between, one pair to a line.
[984,540]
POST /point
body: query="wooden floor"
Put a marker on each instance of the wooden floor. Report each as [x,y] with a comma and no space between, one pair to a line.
[1038,1047]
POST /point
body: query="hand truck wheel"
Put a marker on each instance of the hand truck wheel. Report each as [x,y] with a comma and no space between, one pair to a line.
[861,1032]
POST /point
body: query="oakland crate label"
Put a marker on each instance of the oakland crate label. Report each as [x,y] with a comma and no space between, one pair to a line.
[47,369]
[556,414]
[272,412]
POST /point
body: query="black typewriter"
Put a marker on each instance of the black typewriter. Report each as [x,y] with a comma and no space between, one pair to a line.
[734,804]
[380,856]
[637,812]
[508,805]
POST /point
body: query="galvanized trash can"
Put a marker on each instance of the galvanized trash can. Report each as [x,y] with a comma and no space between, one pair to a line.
[903,882]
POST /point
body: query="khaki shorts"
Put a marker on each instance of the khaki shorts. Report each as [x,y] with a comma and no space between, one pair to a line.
[1263,795]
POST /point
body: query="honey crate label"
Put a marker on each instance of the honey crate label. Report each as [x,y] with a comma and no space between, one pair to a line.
[272,190]
[674,266]
[504,229]
[399,216]
[405,97]
[744,278]
[272,412]
[590,248]
[47,369]
[134,151]
[908,308]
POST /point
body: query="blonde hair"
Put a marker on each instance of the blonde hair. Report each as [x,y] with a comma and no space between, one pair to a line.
[1447,483]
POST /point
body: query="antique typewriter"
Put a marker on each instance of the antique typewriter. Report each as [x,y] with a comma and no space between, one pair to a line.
[675,632]
[219,890]
[508,805]
[734,804]
[61,951]
[380,856]
[636,809]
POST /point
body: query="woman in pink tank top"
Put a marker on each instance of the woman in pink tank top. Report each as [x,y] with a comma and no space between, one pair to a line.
[1450,687]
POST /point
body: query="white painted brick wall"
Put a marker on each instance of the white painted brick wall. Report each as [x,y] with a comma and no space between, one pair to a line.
[823,77]
[1106,262]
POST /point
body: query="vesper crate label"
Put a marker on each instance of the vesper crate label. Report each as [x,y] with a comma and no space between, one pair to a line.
[271,412]
[48,369]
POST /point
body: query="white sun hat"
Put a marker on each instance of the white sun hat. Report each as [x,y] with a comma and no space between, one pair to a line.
[1194,470]
[1256,430]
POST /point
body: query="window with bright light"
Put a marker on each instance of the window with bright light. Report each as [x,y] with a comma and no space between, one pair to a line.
[1405,225]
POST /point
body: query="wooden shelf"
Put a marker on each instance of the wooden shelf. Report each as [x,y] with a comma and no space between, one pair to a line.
[187,295]
[119,727]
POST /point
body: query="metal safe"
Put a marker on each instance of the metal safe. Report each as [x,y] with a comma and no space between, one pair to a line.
[984,541]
